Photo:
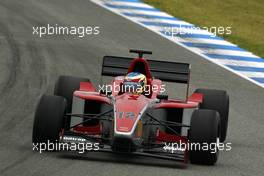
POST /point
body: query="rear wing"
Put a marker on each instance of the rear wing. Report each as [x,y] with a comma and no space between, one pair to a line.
[163,70]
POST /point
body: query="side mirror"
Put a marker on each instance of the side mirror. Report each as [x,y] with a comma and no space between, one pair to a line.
[162,97]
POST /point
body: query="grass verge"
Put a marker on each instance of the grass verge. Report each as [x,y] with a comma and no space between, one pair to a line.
[246,18]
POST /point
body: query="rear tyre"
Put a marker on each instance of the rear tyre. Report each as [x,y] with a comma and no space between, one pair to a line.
[48,120]
[217,100]
[64,87]
[204,130]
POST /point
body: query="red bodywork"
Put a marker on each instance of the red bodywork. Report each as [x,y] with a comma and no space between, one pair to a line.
[128,108]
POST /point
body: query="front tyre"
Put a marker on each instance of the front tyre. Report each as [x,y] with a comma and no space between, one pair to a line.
[48,120]
[204,130]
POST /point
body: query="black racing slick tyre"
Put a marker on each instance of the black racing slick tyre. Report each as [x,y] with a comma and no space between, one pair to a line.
[65,87]
[48,121]
[217,100]
[203,134]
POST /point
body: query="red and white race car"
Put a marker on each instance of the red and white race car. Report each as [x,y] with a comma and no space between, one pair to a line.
[148,123]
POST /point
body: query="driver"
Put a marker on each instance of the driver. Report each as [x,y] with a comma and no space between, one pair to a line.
[135,83]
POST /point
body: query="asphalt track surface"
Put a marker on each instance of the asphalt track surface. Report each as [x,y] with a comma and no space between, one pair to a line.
[29,66]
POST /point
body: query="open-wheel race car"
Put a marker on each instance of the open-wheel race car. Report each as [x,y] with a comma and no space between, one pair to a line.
[132,114]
